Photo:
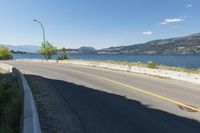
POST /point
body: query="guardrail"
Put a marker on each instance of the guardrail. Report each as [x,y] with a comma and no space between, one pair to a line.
[30,120]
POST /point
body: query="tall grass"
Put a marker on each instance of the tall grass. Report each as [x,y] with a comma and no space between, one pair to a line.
[154,65]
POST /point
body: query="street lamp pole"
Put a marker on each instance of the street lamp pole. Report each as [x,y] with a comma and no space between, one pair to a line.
[42,28]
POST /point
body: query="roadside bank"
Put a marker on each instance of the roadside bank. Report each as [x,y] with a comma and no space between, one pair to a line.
[10,103]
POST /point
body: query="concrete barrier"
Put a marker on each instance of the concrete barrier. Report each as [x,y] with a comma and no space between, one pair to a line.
[37,60]
[183,76]
[30,120]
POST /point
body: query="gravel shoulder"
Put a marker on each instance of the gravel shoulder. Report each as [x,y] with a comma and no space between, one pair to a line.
[54,114]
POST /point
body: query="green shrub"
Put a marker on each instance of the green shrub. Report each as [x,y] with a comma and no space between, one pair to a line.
[5,53]
[10,106]
[152,64]
[62,57]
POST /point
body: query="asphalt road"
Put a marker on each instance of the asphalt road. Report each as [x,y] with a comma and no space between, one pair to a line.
[96,100]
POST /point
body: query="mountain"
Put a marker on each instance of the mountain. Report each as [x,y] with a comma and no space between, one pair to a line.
[180,45]
[83,50]
[26,48]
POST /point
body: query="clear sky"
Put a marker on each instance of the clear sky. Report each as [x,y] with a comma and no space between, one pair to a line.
[96,23]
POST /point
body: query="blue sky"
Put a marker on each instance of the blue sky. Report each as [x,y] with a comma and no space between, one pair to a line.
[97,23]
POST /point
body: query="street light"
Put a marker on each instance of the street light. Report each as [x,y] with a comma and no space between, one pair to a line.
[42,28]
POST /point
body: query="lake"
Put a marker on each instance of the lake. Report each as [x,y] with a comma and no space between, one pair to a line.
[187,61]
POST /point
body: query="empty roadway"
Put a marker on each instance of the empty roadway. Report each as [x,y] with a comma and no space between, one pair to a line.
[107,101]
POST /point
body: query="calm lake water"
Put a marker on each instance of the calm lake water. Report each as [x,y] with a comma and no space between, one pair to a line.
[187,61]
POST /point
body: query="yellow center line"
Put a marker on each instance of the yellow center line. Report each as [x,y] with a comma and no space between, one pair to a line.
[139,90]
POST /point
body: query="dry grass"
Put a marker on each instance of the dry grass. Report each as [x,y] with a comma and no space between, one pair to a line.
[3,70]
[139,64]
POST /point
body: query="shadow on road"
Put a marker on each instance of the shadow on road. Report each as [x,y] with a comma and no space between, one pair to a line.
[78,108]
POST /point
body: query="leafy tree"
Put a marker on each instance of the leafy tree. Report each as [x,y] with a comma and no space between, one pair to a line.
[47,50]
[5,53]
[63,55]
[64,50]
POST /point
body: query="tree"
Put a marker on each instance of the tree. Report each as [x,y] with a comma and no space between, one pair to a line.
[64,50]
[63,55]
[47,50]
[5,53]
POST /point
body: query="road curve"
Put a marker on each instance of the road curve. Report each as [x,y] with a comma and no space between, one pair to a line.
[96,100]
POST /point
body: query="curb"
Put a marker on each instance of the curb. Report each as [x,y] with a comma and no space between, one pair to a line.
[30,119]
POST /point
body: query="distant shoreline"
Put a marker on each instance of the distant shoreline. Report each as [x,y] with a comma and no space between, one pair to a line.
[186,60]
